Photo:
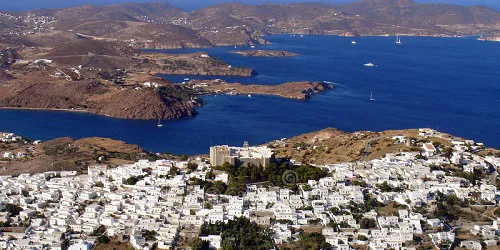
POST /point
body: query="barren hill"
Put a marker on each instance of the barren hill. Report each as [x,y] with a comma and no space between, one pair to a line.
[157,25]
[432,14]
[334,146]
[72,17]
[36,91]
[69,154]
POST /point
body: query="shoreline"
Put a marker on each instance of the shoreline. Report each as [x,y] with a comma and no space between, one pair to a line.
[48,109]
[298,34]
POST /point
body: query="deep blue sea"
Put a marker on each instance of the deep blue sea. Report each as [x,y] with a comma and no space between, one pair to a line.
[449,84]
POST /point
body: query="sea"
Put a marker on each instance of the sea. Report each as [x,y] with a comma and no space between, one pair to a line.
[448,84]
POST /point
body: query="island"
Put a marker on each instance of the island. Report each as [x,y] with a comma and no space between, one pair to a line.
[292,90]
[266,53]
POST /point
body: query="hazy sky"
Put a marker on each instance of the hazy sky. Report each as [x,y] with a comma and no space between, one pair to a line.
[16,5]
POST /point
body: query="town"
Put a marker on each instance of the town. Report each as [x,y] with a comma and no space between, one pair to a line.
[433,198]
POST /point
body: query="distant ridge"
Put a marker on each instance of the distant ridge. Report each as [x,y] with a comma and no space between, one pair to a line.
[162,25]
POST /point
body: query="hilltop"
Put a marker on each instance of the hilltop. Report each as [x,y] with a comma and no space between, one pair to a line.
[66,154]
[329,146]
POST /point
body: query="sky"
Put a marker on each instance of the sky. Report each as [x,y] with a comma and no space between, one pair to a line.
[20,5]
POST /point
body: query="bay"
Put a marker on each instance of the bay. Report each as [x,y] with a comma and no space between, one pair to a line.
[449,84]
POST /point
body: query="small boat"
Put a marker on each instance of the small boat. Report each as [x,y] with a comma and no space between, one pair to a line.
[353,42]
[159,123]
[252,47]
[398,40]
[249,95]
[301,35]
[186,79]
[371,97]
[369,65]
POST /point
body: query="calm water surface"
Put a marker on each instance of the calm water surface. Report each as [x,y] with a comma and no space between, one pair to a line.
[448,84]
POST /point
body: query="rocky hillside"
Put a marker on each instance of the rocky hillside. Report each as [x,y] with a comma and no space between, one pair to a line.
[334,146]
[432,14]
[161,25]
[71,18]
[68,154]
[35,91]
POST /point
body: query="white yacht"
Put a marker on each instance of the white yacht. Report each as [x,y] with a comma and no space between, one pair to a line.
[398,40]
[369,65]
[353,42]
[371,97]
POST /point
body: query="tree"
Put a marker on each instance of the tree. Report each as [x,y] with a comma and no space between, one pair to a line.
[103,239]
[173,171]
[65,244]
[198,244]
[240,233]
[133,180]
[311,241]
[149,235]
[12,209]
[99,231]
[366,223]
[362,237]
[192,166]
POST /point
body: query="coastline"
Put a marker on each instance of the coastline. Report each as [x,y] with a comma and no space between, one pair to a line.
[48,109]
[298,34]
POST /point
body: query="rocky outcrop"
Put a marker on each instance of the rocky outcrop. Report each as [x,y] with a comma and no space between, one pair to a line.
[349,34]
[144,105]
[490,38]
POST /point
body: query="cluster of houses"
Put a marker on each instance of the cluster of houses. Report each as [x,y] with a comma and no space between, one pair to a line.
[155,203]
[151,85]
[19,153]
[28,24]
[10,137]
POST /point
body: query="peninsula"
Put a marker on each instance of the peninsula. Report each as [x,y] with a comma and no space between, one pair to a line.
[266,53]
[113,79]
[292,90]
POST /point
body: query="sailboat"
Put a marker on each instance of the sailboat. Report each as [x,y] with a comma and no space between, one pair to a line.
[159,123]
[398,40]
[371,97]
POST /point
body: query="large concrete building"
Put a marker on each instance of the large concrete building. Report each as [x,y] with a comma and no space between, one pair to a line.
[241,156]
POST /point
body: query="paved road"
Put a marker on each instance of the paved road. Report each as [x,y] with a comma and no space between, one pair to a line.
[368,146]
